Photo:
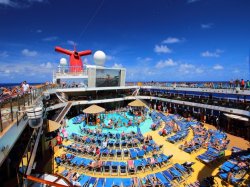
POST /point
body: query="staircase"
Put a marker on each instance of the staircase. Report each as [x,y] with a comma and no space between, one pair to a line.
[61,98]
[136,92]
[63,113]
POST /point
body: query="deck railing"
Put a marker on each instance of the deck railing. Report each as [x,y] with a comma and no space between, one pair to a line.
[12,107]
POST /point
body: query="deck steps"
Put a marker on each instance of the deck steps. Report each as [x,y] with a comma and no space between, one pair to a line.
[63,113]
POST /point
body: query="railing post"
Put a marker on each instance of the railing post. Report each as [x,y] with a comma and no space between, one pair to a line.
[18,104]
[11,110]
[24,100]
[17,122]
[1,123]
[28,96]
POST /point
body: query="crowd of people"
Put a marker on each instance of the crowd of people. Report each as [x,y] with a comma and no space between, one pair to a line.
[23,88]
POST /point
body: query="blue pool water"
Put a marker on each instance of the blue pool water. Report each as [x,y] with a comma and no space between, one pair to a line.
[144,126]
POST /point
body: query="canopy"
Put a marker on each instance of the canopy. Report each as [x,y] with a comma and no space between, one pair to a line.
[53,126]
[93,109]
[237,117]
[137,103]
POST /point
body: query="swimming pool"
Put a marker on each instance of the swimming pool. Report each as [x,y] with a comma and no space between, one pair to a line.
[120,117]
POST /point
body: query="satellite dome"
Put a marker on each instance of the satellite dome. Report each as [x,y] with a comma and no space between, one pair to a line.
[99,58]
[63,62]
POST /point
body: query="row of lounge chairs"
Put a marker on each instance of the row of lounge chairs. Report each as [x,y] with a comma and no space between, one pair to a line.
[198,140]
[78,119]
[111,143]
[113,167]
[211,155]
[172,176]
[235,169]
[124,136]
[133,153]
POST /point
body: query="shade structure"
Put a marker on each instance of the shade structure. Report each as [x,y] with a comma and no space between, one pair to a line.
[53,126]
[137,103]
[93,109]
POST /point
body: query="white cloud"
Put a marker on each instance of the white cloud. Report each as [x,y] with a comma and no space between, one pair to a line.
[4,54]
[117,65]
[192,1]
[39,31]
[236,71]
[85,61]
[23,69]
[50,39]
[71,42]
[8,3]
[199,70]
[186,68]
[207,26]
[162,49]
[171,40]
[7,71]
[29,53]
[165,63]
[109,57]
[47,65]
[20,3]
[216,53]
[218,67]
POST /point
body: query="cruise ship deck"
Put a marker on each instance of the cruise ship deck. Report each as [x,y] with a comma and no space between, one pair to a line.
[143,135]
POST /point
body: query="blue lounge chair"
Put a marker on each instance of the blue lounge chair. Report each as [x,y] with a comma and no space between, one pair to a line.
[163,179]
[92,181]
[138,165]
[123,168]
[114,167]
[182,169]
[100,182]
[176,173]
[84,180]
[127,182]
[133,153]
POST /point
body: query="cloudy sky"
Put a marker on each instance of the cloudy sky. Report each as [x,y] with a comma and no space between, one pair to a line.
[160,40]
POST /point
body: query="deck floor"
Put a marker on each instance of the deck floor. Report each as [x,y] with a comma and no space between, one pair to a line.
[200,170]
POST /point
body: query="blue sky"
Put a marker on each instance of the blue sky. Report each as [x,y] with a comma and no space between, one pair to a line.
[159,40]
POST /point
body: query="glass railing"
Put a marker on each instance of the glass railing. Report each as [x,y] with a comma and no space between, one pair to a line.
[215,101]
[70,71]
[211,85]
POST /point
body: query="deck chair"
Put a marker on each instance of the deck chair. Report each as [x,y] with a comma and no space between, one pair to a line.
[138,165]
[182,169]
[92,181]
[127,182]
[114,168]
[123,168]
[107,167]
[84,180]
[176,173]
[170,177]
[131,167]
[100,182]
[163,179]
[133,153]
[119,154]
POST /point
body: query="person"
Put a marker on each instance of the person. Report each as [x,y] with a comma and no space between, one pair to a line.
[248,84]
[25,87]
[242,84]
[59,140]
